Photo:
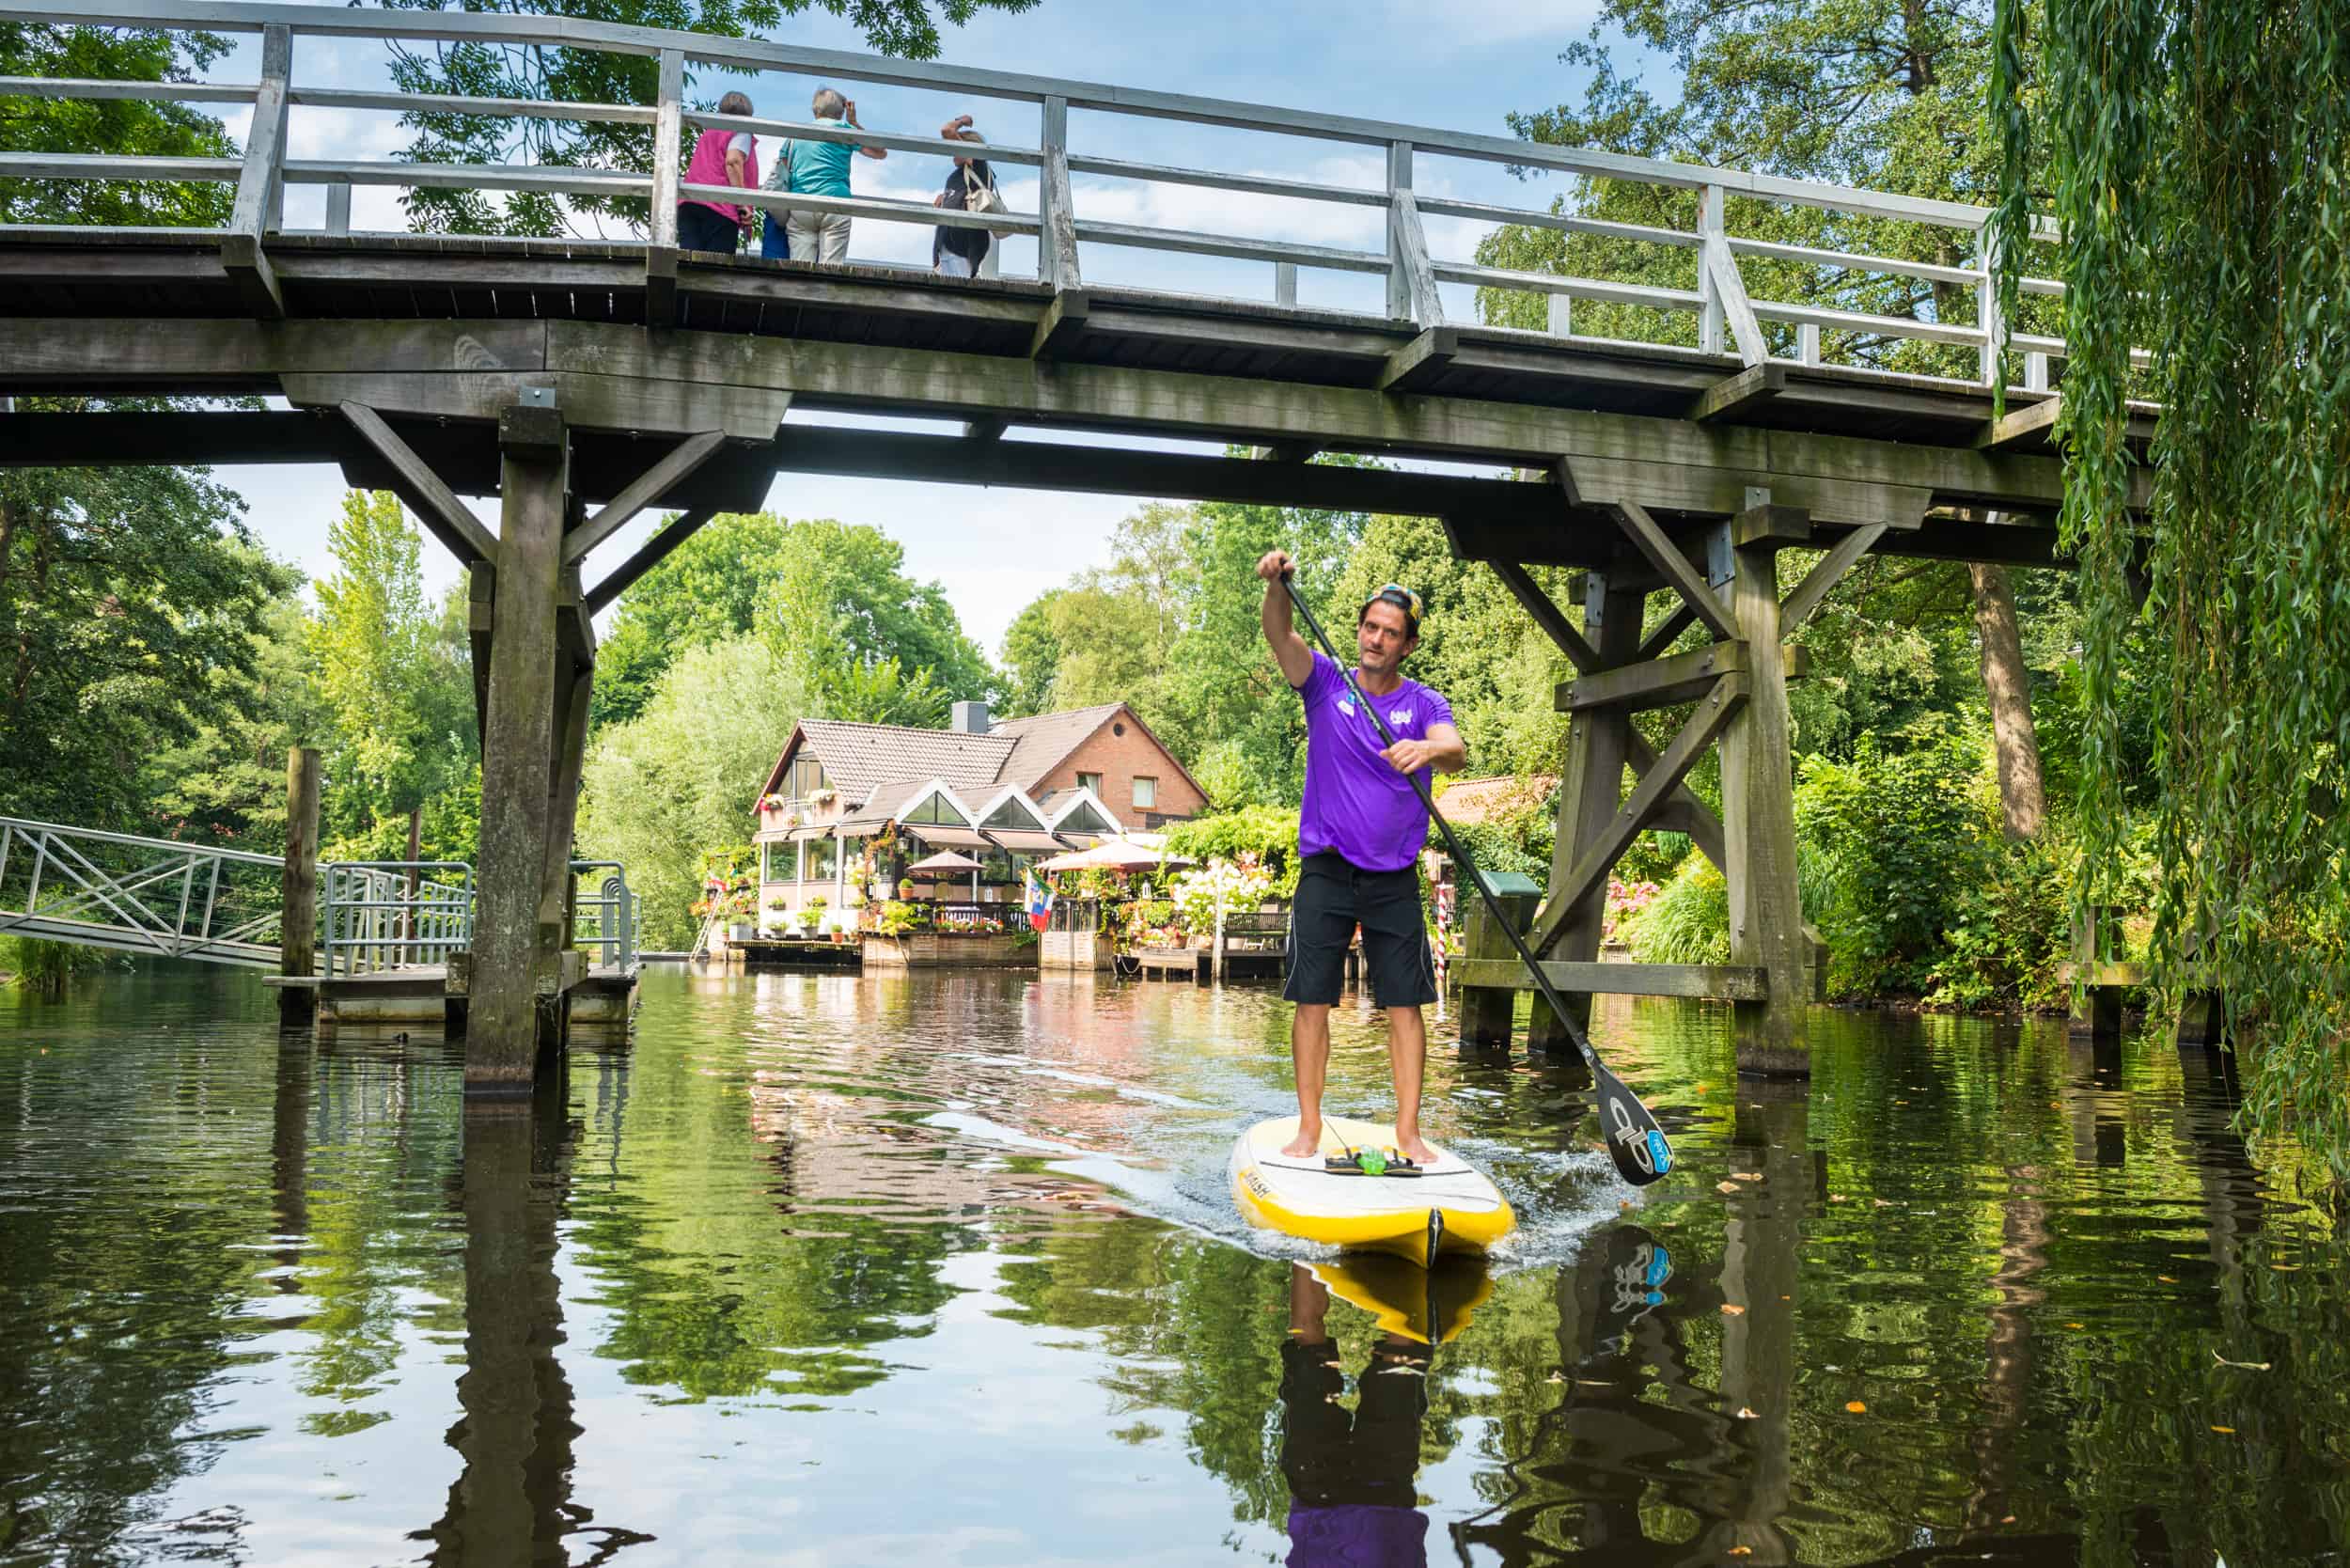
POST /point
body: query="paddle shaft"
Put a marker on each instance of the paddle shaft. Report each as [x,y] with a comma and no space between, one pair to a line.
[1453,842]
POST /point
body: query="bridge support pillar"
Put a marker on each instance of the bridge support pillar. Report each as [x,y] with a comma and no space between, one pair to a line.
[1758,822]
[298,910]
[513,940]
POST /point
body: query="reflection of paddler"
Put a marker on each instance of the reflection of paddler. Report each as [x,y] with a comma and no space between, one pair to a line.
[1431,1304]
[1352,1475]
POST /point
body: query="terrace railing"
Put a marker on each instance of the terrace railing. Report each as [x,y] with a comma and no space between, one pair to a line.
[1960,309]
[383,914]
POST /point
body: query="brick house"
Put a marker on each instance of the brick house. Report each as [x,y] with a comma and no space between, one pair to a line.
[847,806]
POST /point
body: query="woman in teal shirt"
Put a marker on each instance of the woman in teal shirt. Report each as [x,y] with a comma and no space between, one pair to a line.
[821,168]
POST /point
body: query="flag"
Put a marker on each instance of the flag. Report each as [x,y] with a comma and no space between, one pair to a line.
[1040,900]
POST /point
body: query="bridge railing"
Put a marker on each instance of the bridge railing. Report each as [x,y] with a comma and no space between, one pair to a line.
[382,914]
[1958,307]
[135,895]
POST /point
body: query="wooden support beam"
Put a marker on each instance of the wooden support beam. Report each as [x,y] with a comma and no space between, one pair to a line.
[1660,552]
[572,686]
[1824,575]
[1288,451]
[668,144]
[2020,424]
[517,763]
[1486,1017]
[1766,523]
[1728,698]
[1056,234]
[1668,681]
[649,487]
[298,892]
[435,506]
[1547,615]
[1064,322]
[648,555]
[574,623]
[1668,632]
[1735,394]
[1420,361]
[1726,983]
[986,429]
[1590,785]
[260,181]
[1759,820]
[1410,280]
[482,582]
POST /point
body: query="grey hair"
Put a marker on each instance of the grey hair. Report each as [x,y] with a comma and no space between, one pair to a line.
[828,103]
[734,104]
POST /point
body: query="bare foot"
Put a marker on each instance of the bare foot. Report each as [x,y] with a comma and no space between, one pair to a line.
[1306,1144]
[1416,1149]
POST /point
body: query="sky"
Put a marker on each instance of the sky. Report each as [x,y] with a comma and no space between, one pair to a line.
[1460,65]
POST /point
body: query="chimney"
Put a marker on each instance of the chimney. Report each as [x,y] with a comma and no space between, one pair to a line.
[969,718]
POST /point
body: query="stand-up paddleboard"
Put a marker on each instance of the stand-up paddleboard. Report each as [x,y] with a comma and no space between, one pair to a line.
[1448,1208]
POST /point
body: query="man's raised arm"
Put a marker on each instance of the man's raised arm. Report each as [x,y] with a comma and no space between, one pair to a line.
[1280,634]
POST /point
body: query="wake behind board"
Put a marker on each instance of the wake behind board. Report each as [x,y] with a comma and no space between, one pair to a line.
[1448,1209]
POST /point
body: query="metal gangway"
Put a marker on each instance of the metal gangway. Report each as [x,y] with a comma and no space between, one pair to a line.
[167,899]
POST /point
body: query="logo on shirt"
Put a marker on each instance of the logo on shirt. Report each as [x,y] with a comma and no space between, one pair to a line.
[1400,715]
[1345,707]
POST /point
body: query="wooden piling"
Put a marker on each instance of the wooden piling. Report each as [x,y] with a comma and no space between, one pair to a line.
[298,906]
[509,940]
[1759,833]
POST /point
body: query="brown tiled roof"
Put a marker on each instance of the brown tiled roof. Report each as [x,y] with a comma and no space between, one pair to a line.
[856,756]
[1477,800]
[1044,740]
[887,796]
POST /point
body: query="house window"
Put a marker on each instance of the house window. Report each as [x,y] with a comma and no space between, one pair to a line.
[1090,781]
[1145,793]
[934,809]
[1011,814]
[822,853]
[808,776]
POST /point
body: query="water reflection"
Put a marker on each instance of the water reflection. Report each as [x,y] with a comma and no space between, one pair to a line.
[942,1269]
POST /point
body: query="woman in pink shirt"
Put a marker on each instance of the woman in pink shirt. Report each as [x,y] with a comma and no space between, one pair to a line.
[720,157]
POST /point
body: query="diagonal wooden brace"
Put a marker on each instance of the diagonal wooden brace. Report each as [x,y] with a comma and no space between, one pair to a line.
[1675,568]
[647,488]
[1714,712]
[427,494]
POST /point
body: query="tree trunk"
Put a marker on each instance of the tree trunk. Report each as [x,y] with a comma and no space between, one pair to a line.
[2008,684]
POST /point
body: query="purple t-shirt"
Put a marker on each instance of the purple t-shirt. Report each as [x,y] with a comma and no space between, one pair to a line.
[1354,803]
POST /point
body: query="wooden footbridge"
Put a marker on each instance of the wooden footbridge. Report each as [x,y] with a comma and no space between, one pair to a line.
[587,383]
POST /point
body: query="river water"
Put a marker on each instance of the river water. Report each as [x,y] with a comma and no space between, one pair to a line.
[941,1270]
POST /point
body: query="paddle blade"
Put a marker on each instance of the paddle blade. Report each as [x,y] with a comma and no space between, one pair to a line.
[1633,1140]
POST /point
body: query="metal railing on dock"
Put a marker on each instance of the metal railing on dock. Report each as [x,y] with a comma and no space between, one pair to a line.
[380,915]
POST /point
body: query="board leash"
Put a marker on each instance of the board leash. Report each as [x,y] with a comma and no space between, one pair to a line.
[1633,1140]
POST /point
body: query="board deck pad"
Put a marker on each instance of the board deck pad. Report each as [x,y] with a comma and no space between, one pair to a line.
[1450,1208]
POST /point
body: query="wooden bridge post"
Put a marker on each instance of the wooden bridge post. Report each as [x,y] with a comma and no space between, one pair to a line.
[298,907]
[1759,818]
[512,943]
[1590,790]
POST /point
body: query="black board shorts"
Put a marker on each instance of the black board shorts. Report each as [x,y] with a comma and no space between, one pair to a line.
[1334,896]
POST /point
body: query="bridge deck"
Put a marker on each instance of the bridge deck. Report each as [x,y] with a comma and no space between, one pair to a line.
[160,275]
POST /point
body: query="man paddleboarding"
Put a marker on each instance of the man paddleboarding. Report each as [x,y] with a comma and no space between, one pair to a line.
[1359,834]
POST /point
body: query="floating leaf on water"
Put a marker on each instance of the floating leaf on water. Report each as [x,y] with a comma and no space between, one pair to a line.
[2286,1269]
[1747,1414]
[2227,1431]
[2247,1366]
[1882,1202]
[1732,1312]
[2008,1519]
[1855,1407]
[1726,1187]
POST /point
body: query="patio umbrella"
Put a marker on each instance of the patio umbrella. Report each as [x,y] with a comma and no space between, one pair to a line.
[1116,854]
[949,860]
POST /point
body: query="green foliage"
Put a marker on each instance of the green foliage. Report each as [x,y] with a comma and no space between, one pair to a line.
[861,640]
[1688,921]
[2194,155]
[119,126]
[662,790]
[897,918]
[128,599]
[906,27]
[43,968]
[1897,837]
[2011,930]
[1267,832]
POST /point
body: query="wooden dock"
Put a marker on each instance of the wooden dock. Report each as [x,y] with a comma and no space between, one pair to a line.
[799,952]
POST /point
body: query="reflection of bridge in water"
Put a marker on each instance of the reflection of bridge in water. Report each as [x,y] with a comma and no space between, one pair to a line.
[587,383]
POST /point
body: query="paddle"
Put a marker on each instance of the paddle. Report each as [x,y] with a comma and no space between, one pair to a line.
[1633,1138]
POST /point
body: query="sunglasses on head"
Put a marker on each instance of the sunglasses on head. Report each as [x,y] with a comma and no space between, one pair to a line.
[1402,598]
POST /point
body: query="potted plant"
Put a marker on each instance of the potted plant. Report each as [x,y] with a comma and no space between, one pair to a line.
[816,907]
